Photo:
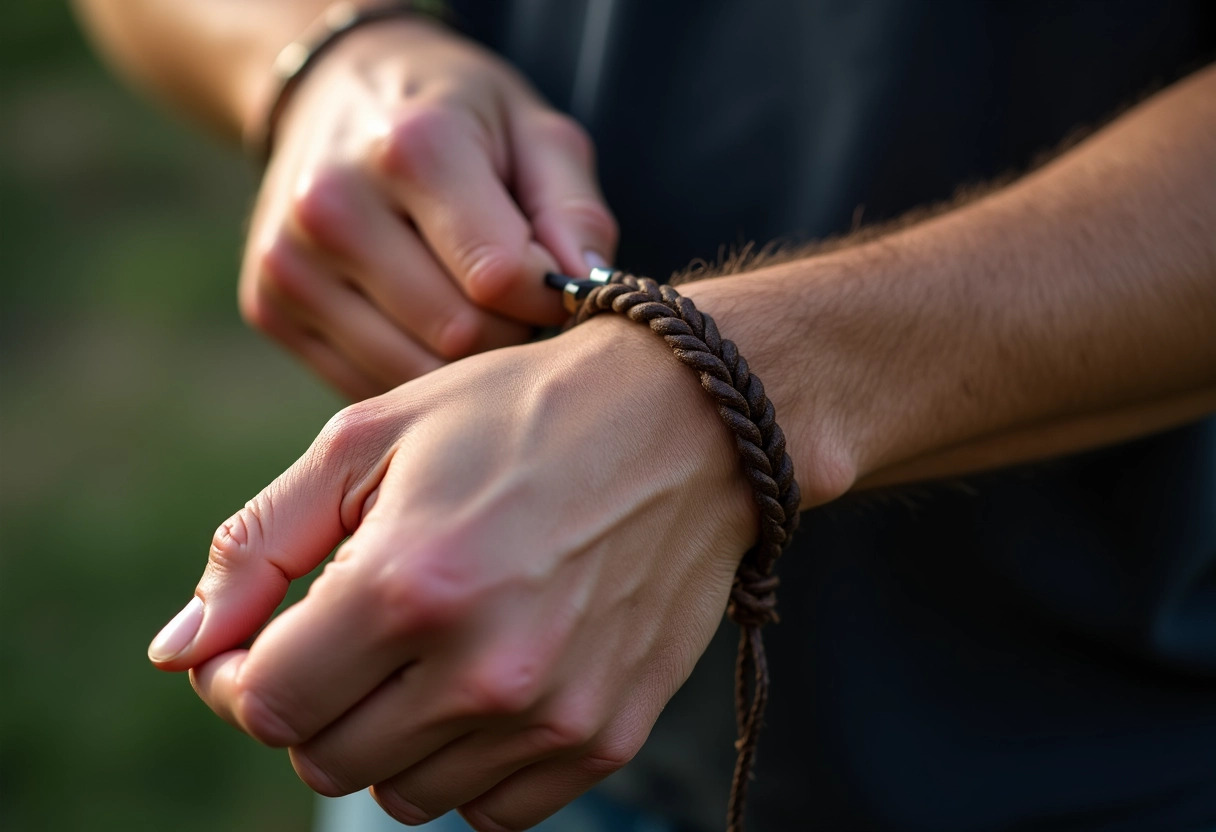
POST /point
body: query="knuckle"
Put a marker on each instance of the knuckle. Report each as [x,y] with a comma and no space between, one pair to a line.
[257,311]
[351,430]
[233,544]
[458,336]
[565,733]
[263,721]
[353,445]
[416,600]
[566,134]
[282,269]
[323,209]
[585,212]
[415,141]
[594,217]
[501,689]
[610,753]
[490,270]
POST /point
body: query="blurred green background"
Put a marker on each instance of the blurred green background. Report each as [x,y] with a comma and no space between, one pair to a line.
[136,413]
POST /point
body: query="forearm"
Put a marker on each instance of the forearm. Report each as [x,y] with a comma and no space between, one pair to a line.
[1074,307]
[211,58]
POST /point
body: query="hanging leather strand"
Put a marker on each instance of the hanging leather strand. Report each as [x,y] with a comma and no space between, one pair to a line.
[694,339]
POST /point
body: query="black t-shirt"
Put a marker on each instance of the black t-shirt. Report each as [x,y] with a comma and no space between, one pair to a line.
[1029,649]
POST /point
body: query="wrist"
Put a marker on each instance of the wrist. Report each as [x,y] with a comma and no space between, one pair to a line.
[270,80]
[623,376]
[787,322]
[249,76]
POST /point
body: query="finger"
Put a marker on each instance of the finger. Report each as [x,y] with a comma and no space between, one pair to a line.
[214,682]
[417,610]
[361,626]
[282,533]
[298,282]
[581,754]
[464,770]
[330,365]
[378,636]
[327,652]
[534,793]
[235,686]
[219,682]
[340,213]
[409,717]
[436,167]
[312,349]
[557,187]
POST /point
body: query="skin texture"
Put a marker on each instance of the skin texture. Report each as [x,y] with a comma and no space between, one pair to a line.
[412,206]
[541,537]
[1073,308]
[462,649]
[417,191]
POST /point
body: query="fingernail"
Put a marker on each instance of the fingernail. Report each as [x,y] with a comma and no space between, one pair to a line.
[178,633]
[593,260]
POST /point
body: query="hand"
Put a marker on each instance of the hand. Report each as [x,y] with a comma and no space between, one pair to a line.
[418,190]
[542,541]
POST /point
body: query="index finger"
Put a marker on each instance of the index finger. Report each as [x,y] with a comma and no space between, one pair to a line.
[437,166]
[327,652]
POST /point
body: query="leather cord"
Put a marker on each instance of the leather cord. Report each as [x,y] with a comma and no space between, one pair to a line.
[694,339]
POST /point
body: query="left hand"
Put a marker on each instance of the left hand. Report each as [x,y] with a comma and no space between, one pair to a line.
[542,542]
[419,189]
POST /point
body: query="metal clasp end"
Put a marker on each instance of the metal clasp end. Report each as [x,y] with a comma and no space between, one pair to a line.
[575,289]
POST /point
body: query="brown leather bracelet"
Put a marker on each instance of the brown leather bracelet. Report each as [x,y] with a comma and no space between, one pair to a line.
[297,57]
[693,338]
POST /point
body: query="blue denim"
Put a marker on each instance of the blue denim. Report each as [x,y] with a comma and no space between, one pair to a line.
[590,813]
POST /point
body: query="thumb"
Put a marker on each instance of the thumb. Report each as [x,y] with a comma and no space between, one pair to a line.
[281,534]
[557,188]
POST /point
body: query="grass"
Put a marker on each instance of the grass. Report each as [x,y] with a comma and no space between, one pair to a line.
[136,412]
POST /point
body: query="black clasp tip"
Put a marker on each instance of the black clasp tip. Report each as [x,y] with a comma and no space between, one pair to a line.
[575,289]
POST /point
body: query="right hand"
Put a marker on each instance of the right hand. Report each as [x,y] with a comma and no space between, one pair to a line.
[418,190]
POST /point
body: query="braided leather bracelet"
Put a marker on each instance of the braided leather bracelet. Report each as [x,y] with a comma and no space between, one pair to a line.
[693,338]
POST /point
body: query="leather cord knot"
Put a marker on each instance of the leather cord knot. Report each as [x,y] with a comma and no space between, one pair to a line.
[745,409]
[753,598]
